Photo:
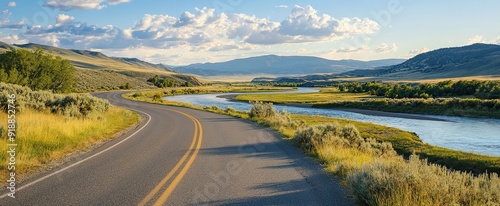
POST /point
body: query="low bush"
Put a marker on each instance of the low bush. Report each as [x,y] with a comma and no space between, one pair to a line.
[313,137]
[229,110]
[415,182]
[262,110]
[72,105]
[79,105]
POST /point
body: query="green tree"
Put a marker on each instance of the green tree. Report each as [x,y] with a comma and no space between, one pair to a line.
[37,70]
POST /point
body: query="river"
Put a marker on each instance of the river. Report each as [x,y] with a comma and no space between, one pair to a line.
[478,135]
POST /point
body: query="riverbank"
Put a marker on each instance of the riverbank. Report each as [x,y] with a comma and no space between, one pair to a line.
[389,114]
[463,107]
[232,97]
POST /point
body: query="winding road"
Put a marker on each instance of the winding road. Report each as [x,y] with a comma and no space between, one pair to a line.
[180,156]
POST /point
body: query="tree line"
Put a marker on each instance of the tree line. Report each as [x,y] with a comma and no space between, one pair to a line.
[478,89]
[37,70]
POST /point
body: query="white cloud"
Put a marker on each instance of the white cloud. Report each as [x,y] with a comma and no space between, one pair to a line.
[4,24]
[11,4]
[476,39]
[201,32]
[282,6]
[62,19]
[5,12]
[12,39]
[496,41]
[351,49]
[205,27]
[66,5]
[415,52]
[386,48]
[51,40]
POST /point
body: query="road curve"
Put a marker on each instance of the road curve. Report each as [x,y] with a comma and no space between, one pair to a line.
[180,156]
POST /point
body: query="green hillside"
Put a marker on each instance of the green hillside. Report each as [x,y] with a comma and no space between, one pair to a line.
[97,71]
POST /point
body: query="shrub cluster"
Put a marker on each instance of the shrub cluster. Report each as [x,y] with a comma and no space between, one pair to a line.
[312,137]
[262,110]
[72,105]
[268,115]
[415,182]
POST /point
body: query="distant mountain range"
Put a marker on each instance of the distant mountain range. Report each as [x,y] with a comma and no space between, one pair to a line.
[282,65]
[471,60]
[465,61]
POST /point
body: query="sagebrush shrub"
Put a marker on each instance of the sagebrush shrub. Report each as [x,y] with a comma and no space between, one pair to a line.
[333,134]
[79,105]
[229,109]
[416,182]
[71,105]
[262,110]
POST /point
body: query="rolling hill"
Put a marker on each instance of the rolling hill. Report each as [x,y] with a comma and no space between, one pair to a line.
[96,60]
[471,60]
[97,71]
[282,65]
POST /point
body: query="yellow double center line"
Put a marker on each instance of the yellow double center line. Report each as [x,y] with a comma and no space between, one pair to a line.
[197,138]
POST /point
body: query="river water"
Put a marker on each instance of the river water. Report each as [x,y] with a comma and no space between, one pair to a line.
[478,135]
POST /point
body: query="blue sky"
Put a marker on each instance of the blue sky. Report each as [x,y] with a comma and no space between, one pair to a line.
[183,32]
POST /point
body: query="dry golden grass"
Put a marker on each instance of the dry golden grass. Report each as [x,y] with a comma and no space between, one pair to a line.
[341,160]
[325,96]
[44,137]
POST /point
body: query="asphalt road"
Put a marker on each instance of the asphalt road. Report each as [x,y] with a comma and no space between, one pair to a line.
[180,156]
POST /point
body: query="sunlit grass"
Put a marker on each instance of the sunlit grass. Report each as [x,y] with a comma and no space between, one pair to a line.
[324,96]
[44,137]
[341,160]
[406,143]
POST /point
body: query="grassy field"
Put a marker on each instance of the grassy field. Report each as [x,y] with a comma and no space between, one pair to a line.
[44,137]
[324,96]
[213,89]
[362,155]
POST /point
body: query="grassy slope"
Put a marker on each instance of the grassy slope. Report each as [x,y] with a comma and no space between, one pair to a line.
[43,138]
[90,80]
[96,71]
[94,60]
